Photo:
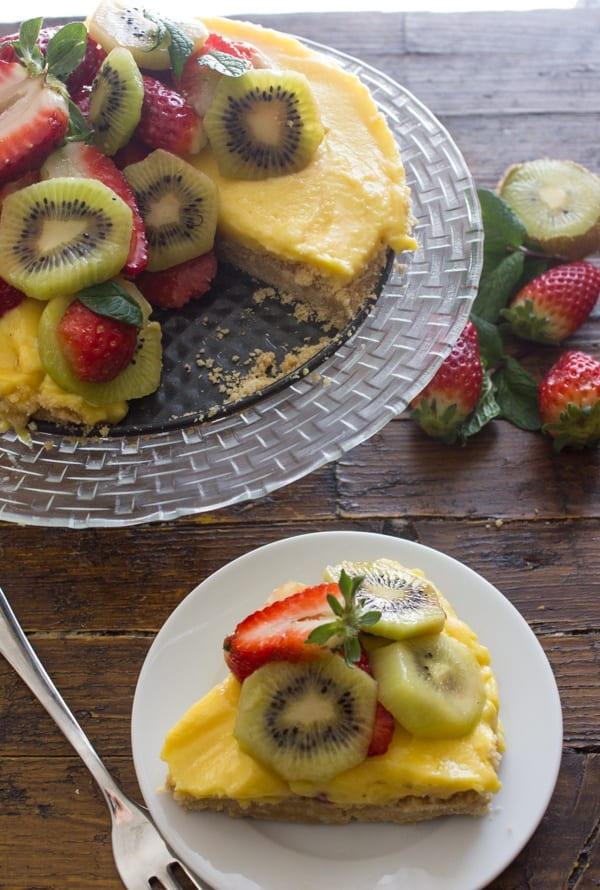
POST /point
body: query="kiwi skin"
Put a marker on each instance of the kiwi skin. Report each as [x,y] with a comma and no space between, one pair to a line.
[563,246]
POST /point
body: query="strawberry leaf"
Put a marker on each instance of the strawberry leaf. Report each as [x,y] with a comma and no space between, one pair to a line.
[112,301]
[351,618]
[66,50]
[26,48]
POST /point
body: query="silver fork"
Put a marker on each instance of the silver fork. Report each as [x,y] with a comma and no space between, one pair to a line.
[141,855]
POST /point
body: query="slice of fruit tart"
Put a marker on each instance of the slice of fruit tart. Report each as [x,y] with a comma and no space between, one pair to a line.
[136,153]
[362,698]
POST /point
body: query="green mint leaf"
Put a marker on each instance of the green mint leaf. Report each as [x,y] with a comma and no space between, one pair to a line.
[497,286]
[502,227]
[25,47]
[516,394]
[223,63]
[491,346]
[113,301]
[66,50]
[486,410]
[179,45]
[79,129]
[158,36]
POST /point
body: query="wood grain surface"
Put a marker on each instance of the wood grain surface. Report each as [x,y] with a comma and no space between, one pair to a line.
[508,86]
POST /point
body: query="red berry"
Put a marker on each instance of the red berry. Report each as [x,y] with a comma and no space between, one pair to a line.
[556,303]
[454,391]
[174,287]
[383,728]
[278,632]
[97,348]
[569,401]
[9,297]
[34,120]
[168,121]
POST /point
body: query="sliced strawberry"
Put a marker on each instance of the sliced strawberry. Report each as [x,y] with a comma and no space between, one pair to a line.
[168,121]
[80,159]
[278,632]
[9,296]
[33,120]
[81,76]
[174,287]
[96,347]
[134,151]
[383,729]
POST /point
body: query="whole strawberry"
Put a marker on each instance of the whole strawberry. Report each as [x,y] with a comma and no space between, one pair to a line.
[555,304]
[569,401]
[97,347]
[454,391]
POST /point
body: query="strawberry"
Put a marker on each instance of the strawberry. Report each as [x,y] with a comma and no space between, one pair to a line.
[97,347]
[9,296]
[81,159]
[33,120]
[278,632]
[174,287]
[383,729]
[168,121]
[83,74]
[555,304]
[569,401]
[453,393]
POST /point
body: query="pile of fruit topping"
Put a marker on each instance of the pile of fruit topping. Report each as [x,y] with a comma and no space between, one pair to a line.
[103,214]
[537,287]
[328,671]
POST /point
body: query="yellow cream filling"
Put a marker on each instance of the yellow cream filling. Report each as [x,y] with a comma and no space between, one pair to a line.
[26,389]
[352,197]
[204,759]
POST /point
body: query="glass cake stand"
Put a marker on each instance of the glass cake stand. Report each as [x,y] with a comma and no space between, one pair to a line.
[170,470]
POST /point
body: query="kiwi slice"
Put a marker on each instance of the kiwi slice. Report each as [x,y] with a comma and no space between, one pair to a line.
[264,123]
[558,202]
[140,378]
[179,206]
[431,684]
[409,604]
[61,235]
[116,101]
[141,31]
[308,720]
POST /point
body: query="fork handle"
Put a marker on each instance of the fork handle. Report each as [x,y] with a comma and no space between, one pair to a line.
[17,650]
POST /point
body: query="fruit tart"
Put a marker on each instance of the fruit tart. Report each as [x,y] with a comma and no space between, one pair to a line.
[136,154]
[361,698]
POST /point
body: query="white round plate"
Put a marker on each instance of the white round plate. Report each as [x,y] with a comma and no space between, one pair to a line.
[457,853]
[61,480]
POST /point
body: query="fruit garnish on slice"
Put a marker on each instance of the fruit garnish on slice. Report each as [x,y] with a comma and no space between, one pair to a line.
[432,684]
[116,101]
[147,35]
[559,204]
[179,206]
[280,630]
[217,58]
[88,162]
[264,123]
[139,377]
[61,235]
[407,603]
[307,721]
[352,615]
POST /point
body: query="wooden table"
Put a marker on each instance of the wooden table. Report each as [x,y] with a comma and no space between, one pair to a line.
[508,87]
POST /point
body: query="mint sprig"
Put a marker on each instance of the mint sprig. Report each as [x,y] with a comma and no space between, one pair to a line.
[179,45]
[113,301]
[351,618]
[223,63]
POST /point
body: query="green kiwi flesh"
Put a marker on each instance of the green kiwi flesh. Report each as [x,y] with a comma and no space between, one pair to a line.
[116,101]
[558,202]
[264,123]
[179,206]
[408,603]
[140,378]
[307,721]
[431,684]
[61,235]
[120,23]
